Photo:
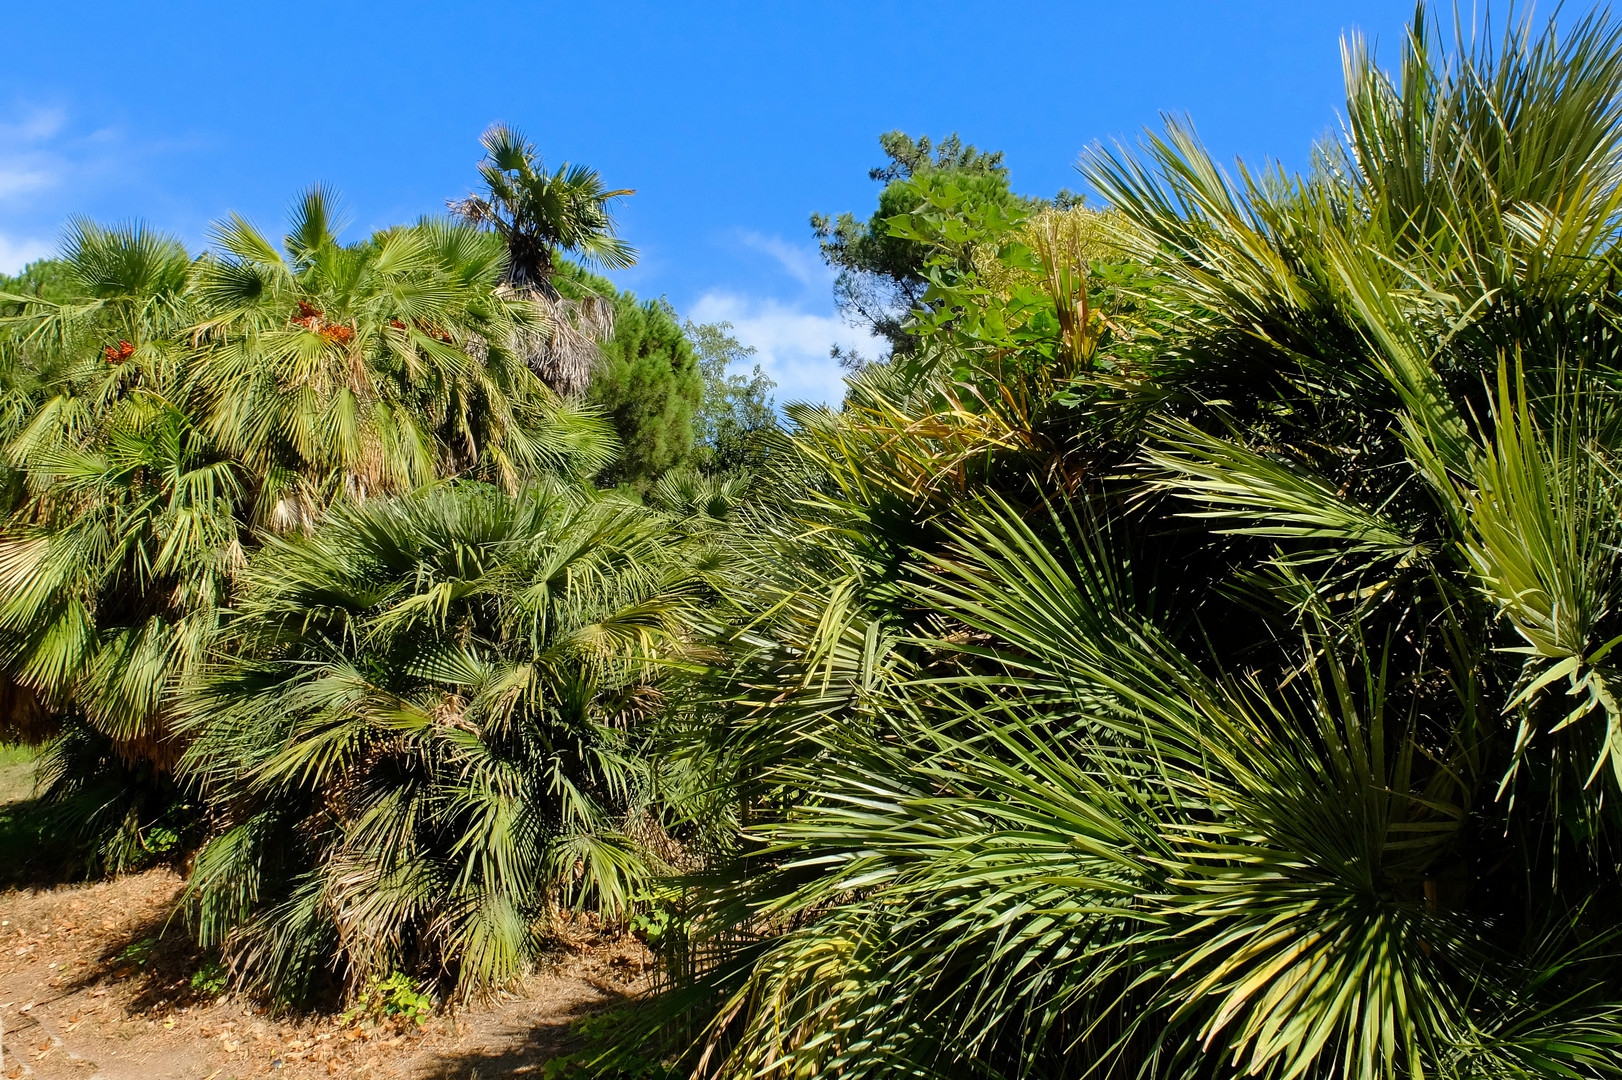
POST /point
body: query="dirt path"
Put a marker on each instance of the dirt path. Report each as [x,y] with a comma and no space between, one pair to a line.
[95,985]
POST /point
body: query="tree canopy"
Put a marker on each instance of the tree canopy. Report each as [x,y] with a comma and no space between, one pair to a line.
[738,418]
[881,275]
[1190,653]
[646,382]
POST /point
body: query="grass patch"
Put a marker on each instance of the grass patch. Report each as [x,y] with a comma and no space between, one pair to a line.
[17,773]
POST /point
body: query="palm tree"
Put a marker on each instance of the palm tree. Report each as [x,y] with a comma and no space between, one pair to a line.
[189,404]
[113,577]
[373,367]
[1078,851]
[132,285]
[426,736]
[541,216]
[1487,343]
[1293,789]
[122,539]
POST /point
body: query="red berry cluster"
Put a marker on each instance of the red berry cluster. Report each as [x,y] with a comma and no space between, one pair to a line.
[309,316]
[117,354]
[433,330]
[313,319]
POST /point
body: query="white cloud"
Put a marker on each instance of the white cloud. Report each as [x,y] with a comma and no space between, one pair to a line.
[17,181]
[792,343]
[50,165]
[31,162]
[16,254]
[800,263]
[38,124]
[53,163]
[787,314]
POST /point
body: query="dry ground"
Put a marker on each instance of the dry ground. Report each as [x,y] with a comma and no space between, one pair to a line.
[96,984]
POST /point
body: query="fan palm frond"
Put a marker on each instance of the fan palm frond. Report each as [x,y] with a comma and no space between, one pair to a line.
[418,737]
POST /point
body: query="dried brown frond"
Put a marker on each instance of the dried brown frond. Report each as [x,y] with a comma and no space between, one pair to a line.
[563,345]
[23,717]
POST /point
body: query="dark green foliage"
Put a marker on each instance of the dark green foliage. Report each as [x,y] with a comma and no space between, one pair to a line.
[86,811]
[34,848]
[647,382]
[910,157]
[1197,660]
[649,386]
[424,738]
[1194,658]
[48,279]
[30,850]
[111,810]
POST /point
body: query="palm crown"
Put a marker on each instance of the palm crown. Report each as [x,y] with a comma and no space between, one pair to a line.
[541,214]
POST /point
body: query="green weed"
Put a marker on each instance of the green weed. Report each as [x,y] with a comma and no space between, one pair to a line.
[393,998]
[209,980]
[137,952]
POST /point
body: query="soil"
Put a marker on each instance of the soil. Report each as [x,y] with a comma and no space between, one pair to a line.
[96,981]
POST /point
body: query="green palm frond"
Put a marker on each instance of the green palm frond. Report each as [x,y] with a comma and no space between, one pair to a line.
[418,715]
[541,214]
[1113,858]
[1289,793]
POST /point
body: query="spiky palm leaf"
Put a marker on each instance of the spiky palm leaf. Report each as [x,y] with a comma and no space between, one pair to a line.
[426,735]
[1100,858]
[1255,827]
[541,214]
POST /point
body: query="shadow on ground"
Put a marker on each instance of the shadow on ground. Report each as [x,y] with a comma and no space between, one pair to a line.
[524,1057]
[158,957]
[524,1048]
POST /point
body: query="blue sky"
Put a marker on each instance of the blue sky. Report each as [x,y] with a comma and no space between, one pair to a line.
[734,122]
